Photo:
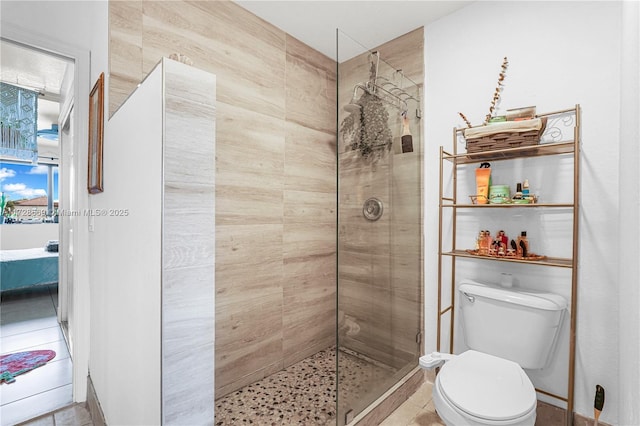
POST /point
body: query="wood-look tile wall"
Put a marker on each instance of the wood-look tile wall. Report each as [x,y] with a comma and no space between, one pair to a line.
[275,170]
[380,263]
[188,244]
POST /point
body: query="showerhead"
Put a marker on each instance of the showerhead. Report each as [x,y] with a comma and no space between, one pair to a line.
[353,107]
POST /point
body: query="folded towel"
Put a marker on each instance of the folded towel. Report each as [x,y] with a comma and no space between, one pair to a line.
[52,246]
[503,127]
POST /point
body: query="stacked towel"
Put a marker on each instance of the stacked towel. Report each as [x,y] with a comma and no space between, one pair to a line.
[503,127]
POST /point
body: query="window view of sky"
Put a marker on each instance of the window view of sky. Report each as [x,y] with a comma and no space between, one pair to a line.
[26,181]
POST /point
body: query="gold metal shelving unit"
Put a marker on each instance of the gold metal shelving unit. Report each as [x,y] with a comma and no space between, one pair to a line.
[554,141]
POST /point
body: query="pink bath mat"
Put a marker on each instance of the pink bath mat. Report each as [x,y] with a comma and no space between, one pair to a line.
[12,365]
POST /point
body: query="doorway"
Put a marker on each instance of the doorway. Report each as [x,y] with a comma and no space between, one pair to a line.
[35,314]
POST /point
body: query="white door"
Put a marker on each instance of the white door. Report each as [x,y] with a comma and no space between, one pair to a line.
[68,206]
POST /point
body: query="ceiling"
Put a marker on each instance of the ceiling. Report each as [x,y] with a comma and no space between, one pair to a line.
[363,25]
[32,69]
[366,23]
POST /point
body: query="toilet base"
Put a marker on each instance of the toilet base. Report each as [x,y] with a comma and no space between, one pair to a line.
[452,416]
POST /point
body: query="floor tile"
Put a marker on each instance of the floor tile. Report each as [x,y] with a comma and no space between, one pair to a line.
[29,408]
[52,375]
[402,415]
[422,396]
[28,322]
[76,415]
[21,316]
[33,340]
[40,421]
[303,393]
[426,418]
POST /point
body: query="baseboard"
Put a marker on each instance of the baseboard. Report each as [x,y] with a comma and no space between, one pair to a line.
[93,405]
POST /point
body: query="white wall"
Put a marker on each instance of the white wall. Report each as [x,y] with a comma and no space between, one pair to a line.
[560,54]
[126,263]
[75,29]
[628,233]
[15,237]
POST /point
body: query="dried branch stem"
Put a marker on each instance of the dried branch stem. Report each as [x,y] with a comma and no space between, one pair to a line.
[496,94]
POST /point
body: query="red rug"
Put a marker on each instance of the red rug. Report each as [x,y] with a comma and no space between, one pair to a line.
[12,365]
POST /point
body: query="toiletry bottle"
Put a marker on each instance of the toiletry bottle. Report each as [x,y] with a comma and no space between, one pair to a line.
[525,188]
[522,244]
[488,240]
[407,139]
[482,248]
[483,182]
[518,194]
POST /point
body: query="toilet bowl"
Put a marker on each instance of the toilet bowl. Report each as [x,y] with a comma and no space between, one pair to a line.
[475,388]
[505,330]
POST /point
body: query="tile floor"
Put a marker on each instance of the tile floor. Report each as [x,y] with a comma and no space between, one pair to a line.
[28,322]
[418,410]
[43,397]
[304,394]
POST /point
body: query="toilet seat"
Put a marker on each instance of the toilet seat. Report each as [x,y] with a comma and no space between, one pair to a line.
[486,387]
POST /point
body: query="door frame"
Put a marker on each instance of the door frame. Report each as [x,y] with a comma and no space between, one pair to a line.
[81,296]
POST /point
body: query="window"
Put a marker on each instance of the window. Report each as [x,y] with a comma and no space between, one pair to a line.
[31,192]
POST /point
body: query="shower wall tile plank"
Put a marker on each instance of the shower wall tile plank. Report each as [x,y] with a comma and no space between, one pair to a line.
[369,269]
[194,382]
[188,247]
[309,237]
[125,44]
[367,238]
[311,77]
[406,53]
[405,190]
[191,242]
[189,321]
[250,168]
[199,155]
[248,61]
[248,338]
[308,240]
[370,309]
[244,245]
[234,285]
[248,205]
[304,207]
[239,382]
[310,159]
[252,152]
[309,314]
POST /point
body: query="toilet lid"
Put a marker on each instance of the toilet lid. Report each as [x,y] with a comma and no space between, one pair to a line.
[487,387]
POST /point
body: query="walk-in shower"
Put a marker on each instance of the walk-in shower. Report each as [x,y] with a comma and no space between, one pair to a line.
[379,219]
[373,274]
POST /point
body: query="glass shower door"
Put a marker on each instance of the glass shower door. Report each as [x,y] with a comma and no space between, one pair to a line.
[379,226]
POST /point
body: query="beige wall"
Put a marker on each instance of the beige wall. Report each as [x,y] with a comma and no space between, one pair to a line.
[380,263]
[275,174]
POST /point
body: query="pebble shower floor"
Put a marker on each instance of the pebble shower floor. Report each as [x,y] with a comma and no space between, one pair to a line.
[302,394]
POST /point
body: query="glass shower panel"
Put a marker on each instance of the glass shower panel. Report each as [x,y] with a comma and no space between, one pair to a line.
[379,224]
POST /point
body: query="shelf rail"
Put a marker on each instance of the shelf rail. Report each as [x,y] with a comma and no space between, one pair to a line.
[555,140]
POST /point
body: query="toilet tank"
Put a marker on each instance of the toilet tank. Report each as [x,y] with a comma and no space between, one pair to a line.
[516,324]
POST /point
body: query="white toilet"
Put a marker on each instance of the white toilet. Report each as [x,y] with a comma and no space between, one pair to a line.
[506,330]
